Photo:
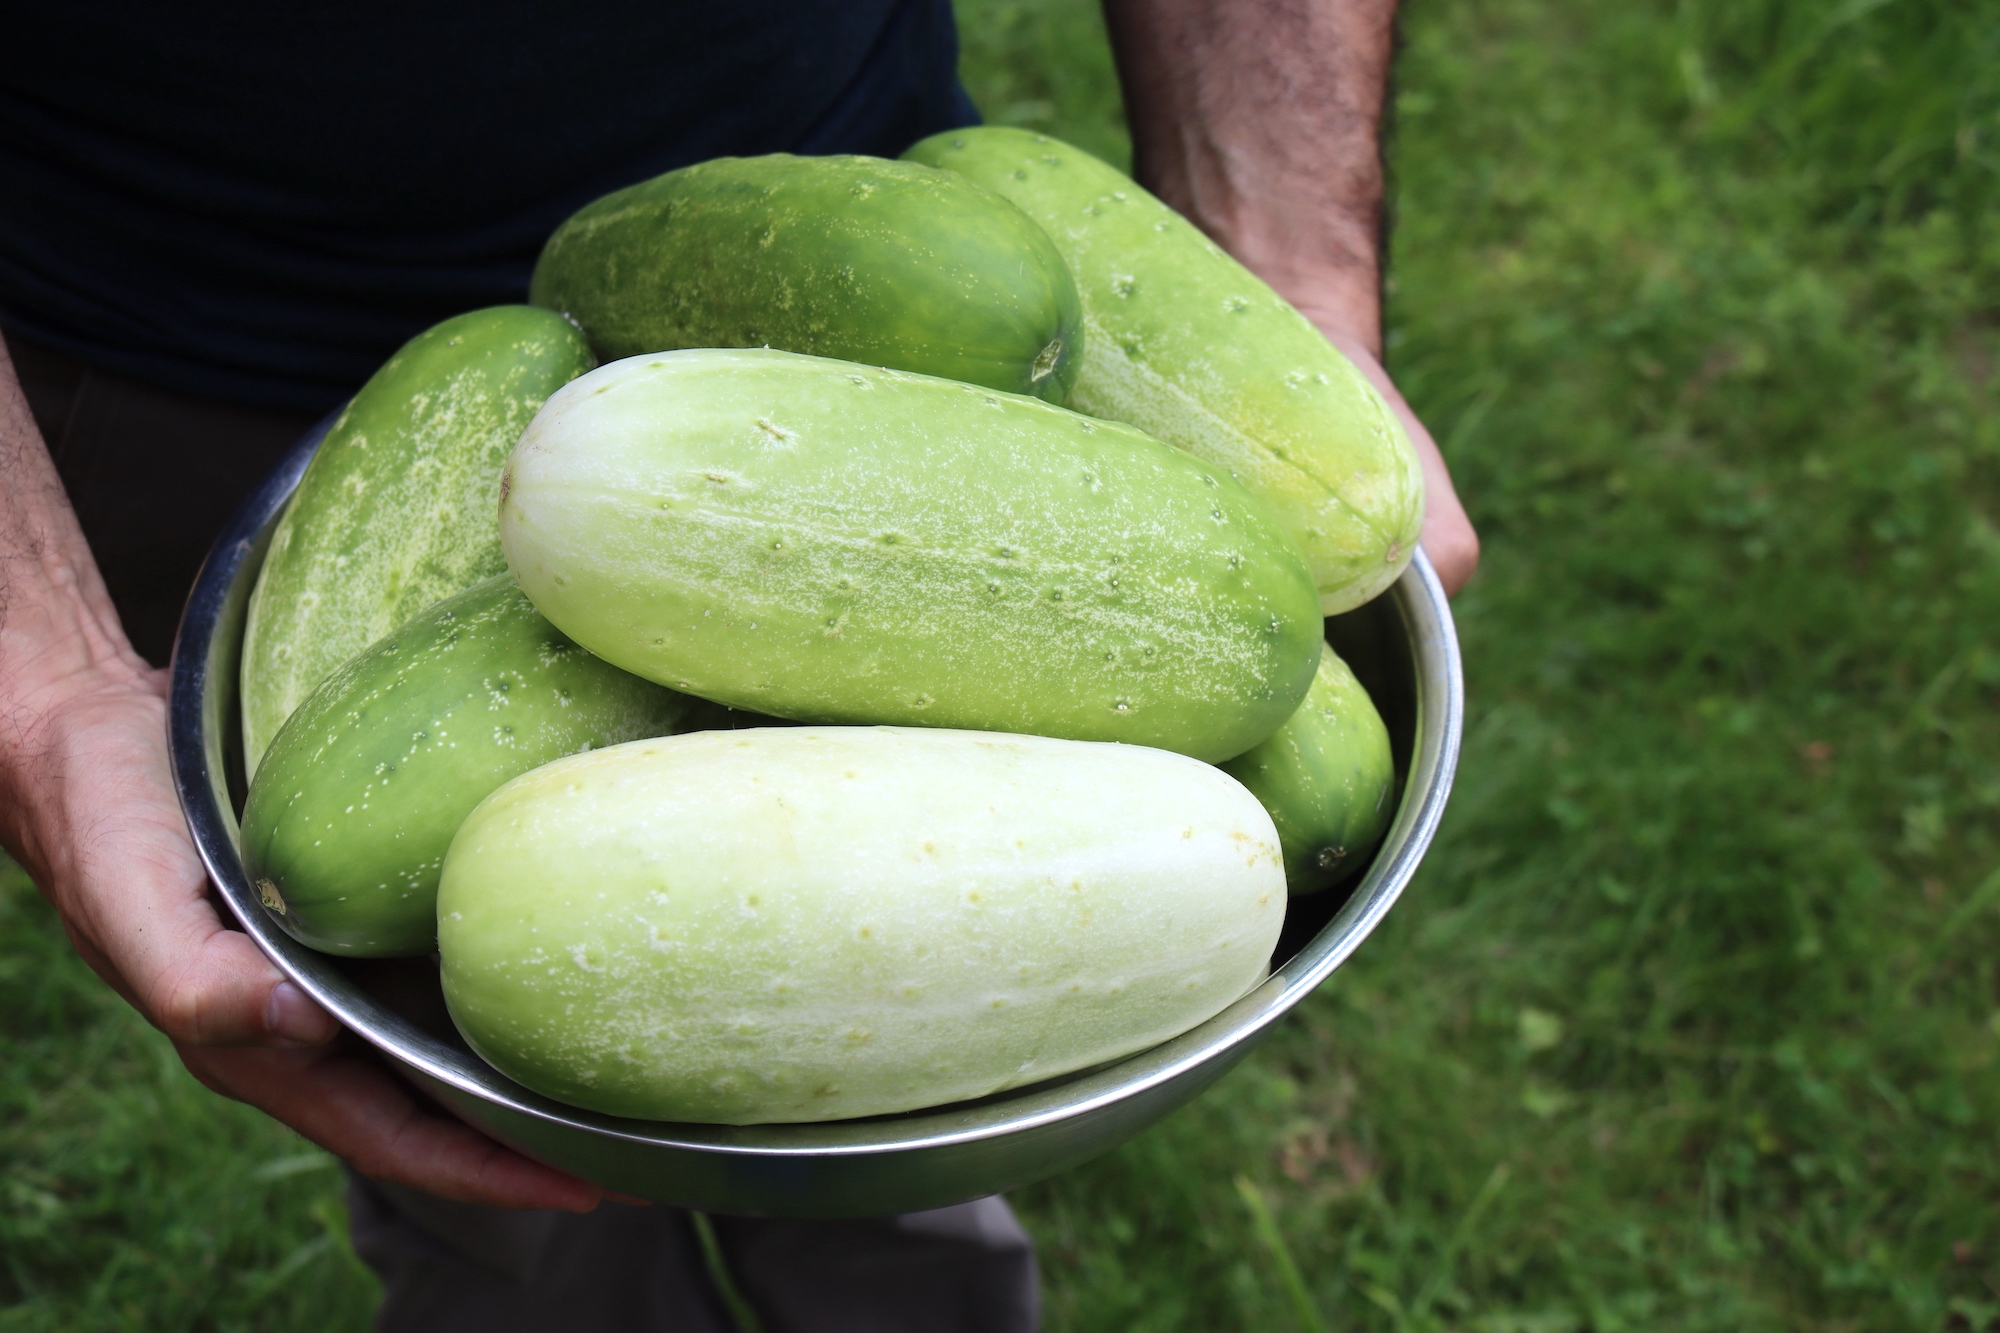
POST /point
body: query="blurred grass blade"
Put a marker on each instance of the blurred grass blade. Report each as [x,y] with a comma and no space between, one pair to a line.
[1496,1180]
[1981,898]
[1267,1230]
[279,1168]
[740,1309]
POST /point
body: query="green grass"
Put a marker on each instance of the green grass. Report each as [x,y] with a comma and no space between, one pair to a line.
[132,1199]
[1690,1021]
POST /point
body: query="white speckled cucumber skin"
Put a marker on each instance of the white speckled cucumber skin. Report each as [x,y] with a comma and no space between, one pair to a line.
[396,510]
[1191,347]
[1325,777]
[828,542]
[823,922]
[358,797]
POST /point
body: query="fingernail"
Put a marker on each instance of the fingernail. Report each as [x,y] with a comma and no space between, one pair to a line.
[292,1015]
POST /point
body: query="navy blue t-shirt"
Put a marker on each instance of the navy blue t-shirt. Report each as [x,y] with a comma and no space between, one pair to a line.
[261,202]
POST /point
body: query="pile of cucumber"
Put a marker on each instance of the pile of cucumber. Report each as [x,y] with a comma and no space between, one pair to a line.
[985,466]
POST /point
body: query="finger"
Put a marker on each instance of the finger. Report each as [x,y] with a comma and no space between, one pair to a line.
[159,943]
[133,893]
[226,993]
[344,1099]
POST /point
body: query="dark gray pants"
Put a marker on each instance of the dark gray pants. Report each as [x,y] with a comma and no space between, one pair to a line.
[153,476]
[448,1267]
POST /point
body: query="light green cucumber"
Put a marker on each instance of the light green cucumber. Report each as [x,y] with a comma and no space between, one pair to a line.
[396,510]
[888,263]
[357,799]
[813,923]
[1325,777]
[1188,345]
[834,543]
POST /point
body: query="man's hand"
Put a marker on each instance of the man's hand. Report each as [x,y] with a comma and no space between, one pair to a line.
[93,818]
[87,806]
[341,1097]
[1259,120]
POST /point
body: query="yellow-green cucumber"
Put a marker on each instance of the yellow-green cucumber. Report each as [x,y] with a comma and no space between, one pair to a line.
[888,263]
[1326,777]
[830,542]
[1188,345]
[396,510]
[813,923]
[356,802]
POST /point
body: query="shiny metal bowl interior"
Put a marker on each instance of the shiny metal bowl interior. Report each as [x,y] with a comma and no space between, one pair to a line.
[1402,646]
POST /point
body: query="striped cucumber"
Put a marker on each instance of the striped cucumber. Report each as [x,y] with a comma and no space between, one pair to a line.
[396,510]
[358,797]
[887,263]
[835,543]
[1191,347]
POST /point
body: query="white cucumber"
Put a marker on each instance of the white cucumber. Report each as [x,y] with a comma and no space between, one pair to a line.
[814,923]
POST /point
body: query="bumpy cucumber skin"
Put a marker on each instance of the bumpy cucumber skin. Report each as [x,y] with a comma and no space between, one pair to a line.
[396,510]
[815,923]
[351,813]
[830,542]
[887,263]
[1191,347]
[1325,778]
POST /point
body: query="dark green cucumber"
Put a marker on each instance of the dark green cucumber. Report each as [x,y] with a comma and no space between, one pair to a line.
[397,509]
[351,813]
[1325,777]
[886,263]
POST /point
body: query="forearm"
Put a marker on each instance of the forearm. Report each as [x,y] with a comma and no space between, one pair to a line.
[56,619]
[59,634]
[1260,121]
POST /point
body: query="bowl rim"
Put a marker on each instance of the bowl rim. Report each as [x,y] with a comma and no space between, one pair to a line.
[198,729]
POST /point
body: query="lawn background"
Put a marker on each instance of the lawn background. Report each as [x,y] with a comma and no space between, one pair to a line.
[1690,1020]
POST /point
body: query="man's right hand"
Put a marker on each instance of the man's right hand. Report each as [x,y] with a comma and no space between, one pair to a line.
[87,806]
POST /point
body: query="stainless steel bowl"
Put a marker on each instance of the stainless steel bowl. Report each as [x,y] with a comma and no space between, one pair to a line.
[1401,645]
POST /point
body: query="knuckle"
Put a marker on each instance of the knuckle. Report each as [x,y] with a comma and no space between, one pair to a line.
[179,1013]
[190,1006]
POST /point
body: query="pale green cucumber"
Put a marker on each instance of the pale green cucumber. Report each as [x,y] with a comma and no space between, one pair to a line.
[396,510]
[1325,777]
[834,543]
[889,263]
[1188,345]
[813,923]
[356,801]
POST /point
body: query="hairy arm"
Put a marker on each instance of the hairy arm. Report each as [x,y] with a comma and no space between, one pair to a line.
[1260,121]
[87,806]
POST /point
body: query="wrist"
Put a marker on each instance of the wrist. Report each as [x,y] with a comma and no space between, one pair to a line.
[1345,304]
[1324,260]
[48,701]
[60,638]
